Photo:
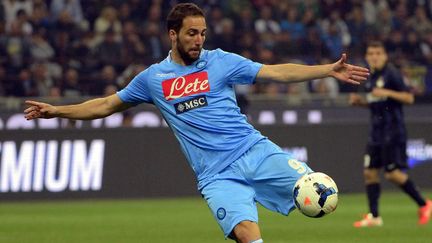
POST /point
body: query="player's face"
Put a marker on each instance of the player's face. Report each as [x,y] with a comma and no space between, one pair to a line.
[190,39]
[376,57]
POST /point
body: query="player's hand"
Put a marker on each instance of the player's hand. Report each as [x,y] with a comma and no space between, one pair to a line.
[380,92]
[39,110]
[347,72]
[355,99]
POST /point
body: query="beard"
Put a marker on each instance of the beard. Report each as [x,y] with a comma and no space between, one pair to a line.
[184,54]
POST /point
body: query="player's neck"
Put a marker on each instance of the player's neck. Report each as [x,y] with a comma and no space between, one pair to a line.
[175,57]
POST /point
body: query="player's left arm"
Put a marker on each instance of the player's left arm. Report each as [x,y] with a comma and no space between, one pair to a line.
[401,96]
[298,73]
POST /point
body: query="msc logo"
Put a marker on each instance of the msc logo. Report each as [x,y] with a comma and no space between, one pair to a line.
[187,105]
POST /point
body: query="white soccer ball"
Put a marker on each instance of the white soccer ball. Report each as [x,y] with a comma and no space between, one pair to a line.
[315,194]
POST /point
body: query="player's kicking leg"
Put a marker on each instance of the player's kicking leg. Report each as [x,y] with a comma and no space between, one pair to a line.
[401,179]
[247,232]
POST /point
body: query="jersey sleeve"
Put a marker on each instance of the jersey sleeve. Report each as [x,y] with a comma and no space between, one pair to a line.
[136,91]
[397,81]
[239,70]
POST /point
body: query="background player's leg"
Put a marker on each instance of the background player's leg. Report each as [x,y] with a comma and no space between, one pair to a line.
[401,179]
[373,189]
[246,232]
[396,159]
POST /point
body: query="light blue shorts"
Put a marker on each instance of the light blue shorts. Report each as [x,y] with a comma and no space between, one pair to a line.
[264,174]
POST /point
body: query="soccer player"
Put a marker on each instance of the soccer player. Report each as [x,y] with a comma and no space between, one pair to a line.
[386,92]
[235,165]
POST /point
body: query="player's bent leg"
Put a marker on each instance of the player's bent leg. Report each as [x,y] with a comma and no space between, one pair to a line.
[401,179]
[247,232]
[396,176]
[231,201]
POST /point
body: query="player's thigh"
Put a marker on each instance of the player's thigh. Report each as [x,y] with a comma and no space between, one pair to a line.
[274,180]
[373,157]
[394,156]
[231,202]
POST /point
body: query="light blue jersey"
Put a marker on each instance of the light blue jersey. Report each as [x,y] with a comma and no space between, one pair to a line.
[198,103]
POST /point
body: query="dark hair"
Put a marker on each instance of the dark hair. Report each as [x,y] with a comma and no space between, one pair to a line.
[180,12]
[376,44]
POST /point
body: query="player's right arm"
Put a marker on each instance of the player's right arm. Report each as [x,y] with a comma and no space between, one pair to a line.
[91,109]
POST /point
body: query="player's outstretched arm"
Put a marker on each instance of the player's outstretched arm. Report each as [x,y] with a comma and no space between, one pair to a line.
[92,109]
[298,73]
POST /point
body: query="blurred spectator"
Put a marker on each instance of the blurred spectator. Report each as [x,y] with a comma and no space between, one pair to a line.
[40,17]
[226,39]
[72,7]
[133,47]
[2,13]
[108,52]
[245,20]
[400,17]
[313,45]
[2,81]
[108,20]
[266,23]
[124,12]
[110,89]
[411,47]
[42,79]
[129,73]
[426,47]
[22,21]
[71,86]
[292,25]
[420,22]
[106,76]
[154,42]
[24,86]
[16,48]
[357,27]
[82,53]
[384,24]
[54,93]
[394,43]
[372,10]
[11,8]
[40,48]
[214,21]
[266,27]
[335,25]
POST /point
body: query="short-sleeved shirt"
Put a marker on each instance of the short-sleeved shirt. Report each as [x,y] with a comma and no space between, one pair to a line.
[198,103]
[387,120]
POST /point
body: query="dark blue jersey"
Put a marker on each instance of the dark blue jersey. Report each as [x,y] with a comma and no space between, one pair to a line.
[387,121]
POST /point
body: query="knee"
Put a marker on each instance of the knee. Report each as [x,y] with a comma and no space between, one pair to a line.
[371,176]
[246,231]
[396,176]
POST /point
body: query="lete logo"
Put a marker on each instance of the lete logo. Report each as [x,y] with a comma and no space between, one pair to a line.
[183,86]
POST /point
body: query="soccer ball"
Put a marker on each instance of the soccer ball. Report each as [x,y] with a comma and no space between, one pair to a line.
[315,194]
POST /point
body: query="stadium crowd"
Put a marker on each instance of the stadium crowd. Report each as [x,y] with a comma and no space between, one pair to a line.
[71,48]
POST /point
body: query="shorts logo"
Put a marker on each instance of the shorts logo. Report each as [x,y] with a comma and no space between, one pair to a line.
[187,105]
[187,85]
[221,213]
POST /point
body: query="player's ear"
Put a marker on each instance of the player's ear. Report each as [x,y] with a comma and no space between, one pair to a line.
[172,35]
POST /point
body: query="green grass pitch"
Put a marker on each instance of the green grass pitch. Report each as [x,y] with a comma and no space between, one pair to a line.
[189,220]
